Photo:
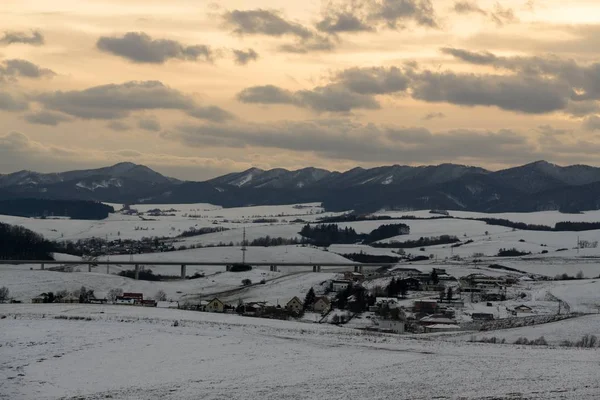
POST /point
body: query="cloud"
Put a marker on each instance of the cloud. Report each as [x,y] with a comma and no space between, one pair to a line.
[10,102]
[46,118]
[395,12]
[592,123]
[264,22]
[343,21]
[468,7]
[433,115]
[11,69]
[268,94]
[503,15]
[482,58]
[118,126]
[243,57]
[210,113]
[351,89]
[344,140]
[316,43]
[116,101]
[34,38]
[141,48]
[149,124]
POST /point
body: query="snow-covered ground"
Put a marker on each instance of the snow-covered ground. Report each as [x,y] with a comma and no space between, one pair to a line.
[135,353]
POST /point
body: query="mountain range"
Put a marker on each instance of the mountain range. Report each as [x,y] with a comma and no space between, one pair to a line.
[533,187]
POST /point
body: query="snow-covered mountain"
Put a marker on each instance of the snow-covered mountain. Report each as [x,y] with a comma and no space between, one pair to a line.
[531,187]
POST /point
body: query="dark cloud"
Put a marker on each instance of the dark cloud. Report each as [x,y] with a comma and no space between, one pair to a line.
[592,123]
[316,43]
[46,118]
[141,48]
[468,7]
[118,126]
[116,101]
[264,22]
[210,113]
[548,130]
[395,12]
[344,21]
[268,94]
[376,80]
[334,98]
[481,58]
[149,124]
[10,102]
[243,57]
[529,95]
[10,70]
[34,38]
[433,115]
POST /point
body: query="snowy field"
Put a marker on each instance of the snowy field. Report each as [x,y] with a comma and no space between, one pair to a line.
[136,353]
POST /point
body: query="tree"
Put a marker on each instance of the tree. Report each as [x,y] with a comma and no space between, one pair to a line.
[85,295]
[309,300]
[391,288]
[246,282]
[114,293]
[402,288]
[449,296]
[4,292]
[434,277]
[579,275]
[442,294]
[160,296]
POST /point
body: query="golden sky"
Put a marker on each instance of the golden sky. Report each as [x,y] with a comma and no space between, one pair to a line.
[195,88]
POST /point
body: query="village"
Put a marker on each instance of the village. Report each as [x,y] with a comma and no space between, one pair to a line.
[405,300]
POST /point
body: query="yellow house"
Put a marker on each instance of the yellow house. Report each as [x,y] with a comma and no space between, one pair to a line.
[215,305]
[294,305]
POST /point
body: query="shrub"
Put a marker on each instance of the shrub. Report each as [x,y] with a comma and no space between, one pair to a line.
[239,267]
[246,282]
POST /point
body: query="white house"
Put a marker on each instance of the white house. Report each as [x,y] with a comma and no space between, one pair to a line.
[167,304]
[391,326]
[340,285]
[294,305]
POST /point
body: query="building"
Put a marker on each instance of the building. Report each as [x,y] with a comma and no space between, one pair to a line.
[322,304]
[425,306]
[340,285]
[167,304]
[149,303]
[523,309]
[436,320]
[354,276]
[442,328]
[294,305]
[69,298]
[137,298]
[404,272]
[482,316]
[125,301]
[215,305]
[40,299]
[98,298]
[392,326]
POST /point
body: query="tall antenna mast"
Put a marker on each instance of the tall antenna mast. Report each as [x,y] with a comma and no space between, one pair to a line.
[244,249]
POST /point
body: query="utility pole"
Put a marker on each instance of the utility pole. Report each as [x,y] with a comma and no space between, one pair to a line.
[578,244]
[244,249]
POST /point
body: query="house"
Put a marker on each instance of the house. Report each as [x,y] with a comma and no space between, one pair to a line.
[482,316]
[354,276]
[215,305]
[98,298]
[411,283]
[442,328]
[436,320]
[167,304]
[40,299]
[69,298]
[294,305]
[404,272]
[137,298]
[425,306]
[149,303]
[125,301]
[322,304]
[523,309]
[340,285]
[391,326]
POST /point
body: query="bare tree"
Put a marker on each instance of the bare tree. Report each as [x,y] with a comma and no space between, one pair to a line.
[113,294]
[4,292]
[160,296]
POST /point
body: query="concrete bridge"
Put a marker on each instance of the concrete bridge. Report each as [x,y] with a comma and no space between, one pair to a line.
[316,267]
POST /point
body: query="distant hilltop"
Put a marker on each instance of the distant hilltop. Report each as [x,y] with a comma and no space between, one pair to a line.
[536,186]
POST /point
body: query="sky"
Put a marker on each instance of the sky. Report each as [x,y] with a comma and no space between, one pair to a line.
[195,89]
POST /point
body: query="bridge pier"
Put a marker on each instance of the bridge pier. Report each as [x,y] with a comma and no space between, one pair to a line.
[107,270]
[42,266]
[273,268]
[89,267]
[137,272]
[183,272]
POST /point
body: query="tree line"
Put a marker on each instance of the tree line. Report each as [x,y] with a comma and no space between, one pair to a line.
[328,234]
